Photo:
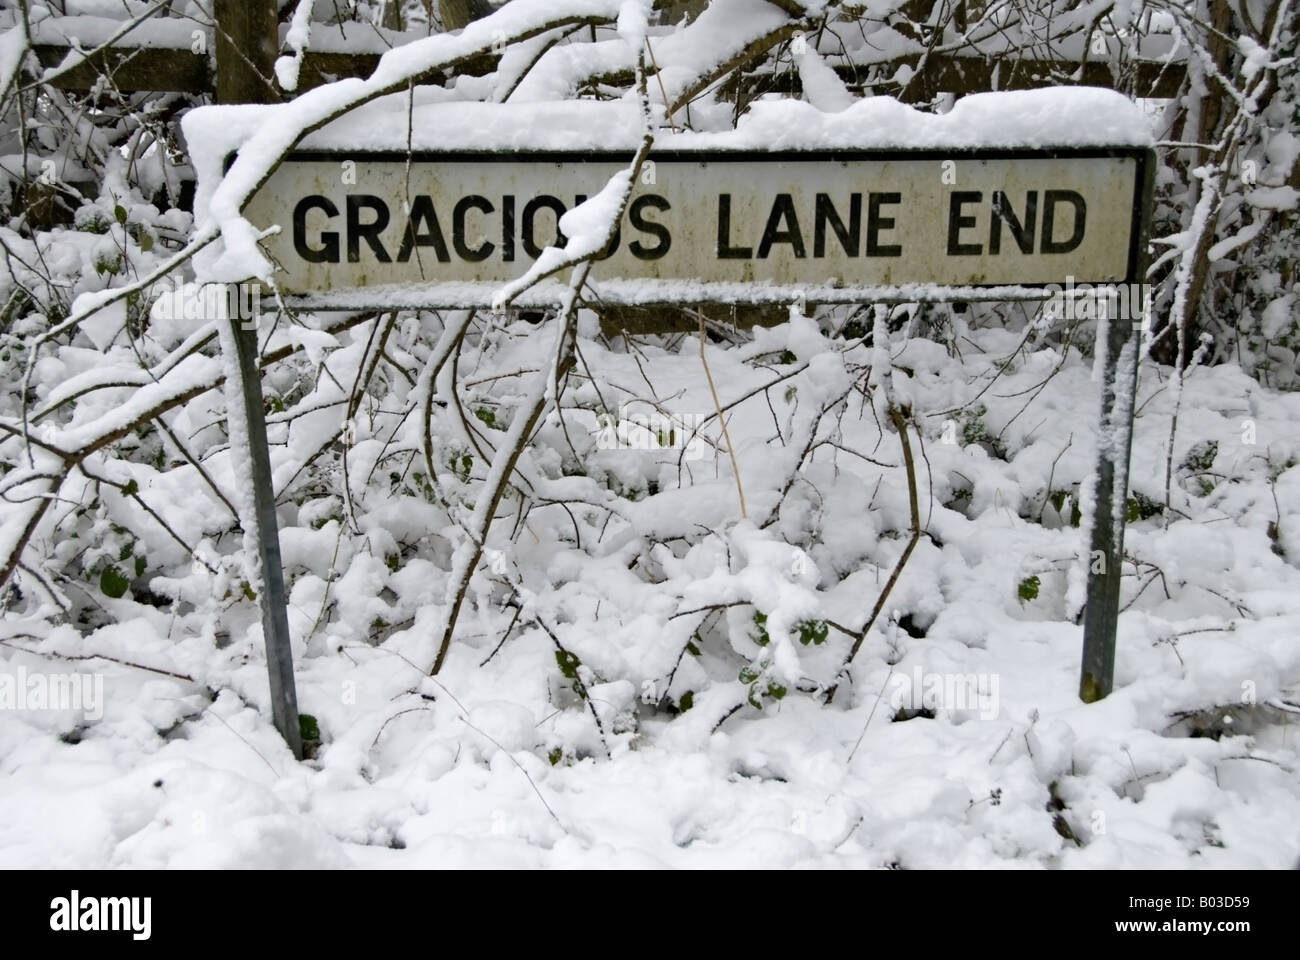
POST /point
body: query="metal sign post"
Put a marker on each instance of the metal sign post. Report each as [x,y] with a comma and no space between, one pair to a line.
[246,48]
[1114,447]
[271,596]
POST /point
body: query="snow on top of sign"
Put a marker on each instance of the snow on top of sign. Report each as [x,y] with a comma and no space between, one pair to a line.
[1055,117]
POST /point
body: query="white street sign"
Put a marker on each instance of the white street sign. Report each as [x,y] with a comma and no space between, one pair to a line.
[909,219]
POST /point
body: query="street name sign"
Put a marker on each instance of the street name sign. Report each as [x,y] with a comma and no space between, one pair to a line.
[448,228]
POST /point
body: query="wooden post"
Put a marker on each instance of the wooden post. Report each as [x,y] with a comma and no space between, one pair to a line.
[246,44]
[456,14]
[1114,445]
[247,41]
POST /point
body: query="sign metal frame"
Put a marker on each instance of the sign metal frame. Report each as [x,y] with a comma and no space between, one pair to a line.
[631,291]
[1106,536]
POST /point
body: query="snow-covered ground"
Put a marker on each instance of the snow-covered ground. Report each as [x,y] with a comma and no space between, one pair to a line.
[639,671]
[503,765]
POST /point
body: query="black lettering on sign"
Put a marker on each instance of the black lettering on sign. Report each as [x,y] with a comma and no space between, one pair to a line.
[328,251]
[369,232]
[725,250]
[782,210]
[636,214]
[876,223]
[508,227]
[458,216]
[1021,231]
[1050,199]
[528,228]
[850,237]
[422,212]
[957,223]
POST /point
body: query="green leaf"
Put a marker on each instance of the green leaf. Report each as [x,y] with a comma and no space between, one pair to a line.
[1200,458]
[854,330]
[139,566]
[487,416]
[813,631]
[753,697]
[761,638]
[308,728]
[686,702]
[1141,507]
[776,691]
[692,649]
[555,756]
[112,582]
[1028,589]
[130,488]
[568,663]
[748,674]
[119,212]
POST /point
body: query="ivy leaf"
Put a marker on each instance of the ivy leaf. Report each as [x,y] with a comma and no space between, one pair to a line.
[568,664]
[748,674]
[814,632]
[753,697]
[1028,589]
[112,582]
